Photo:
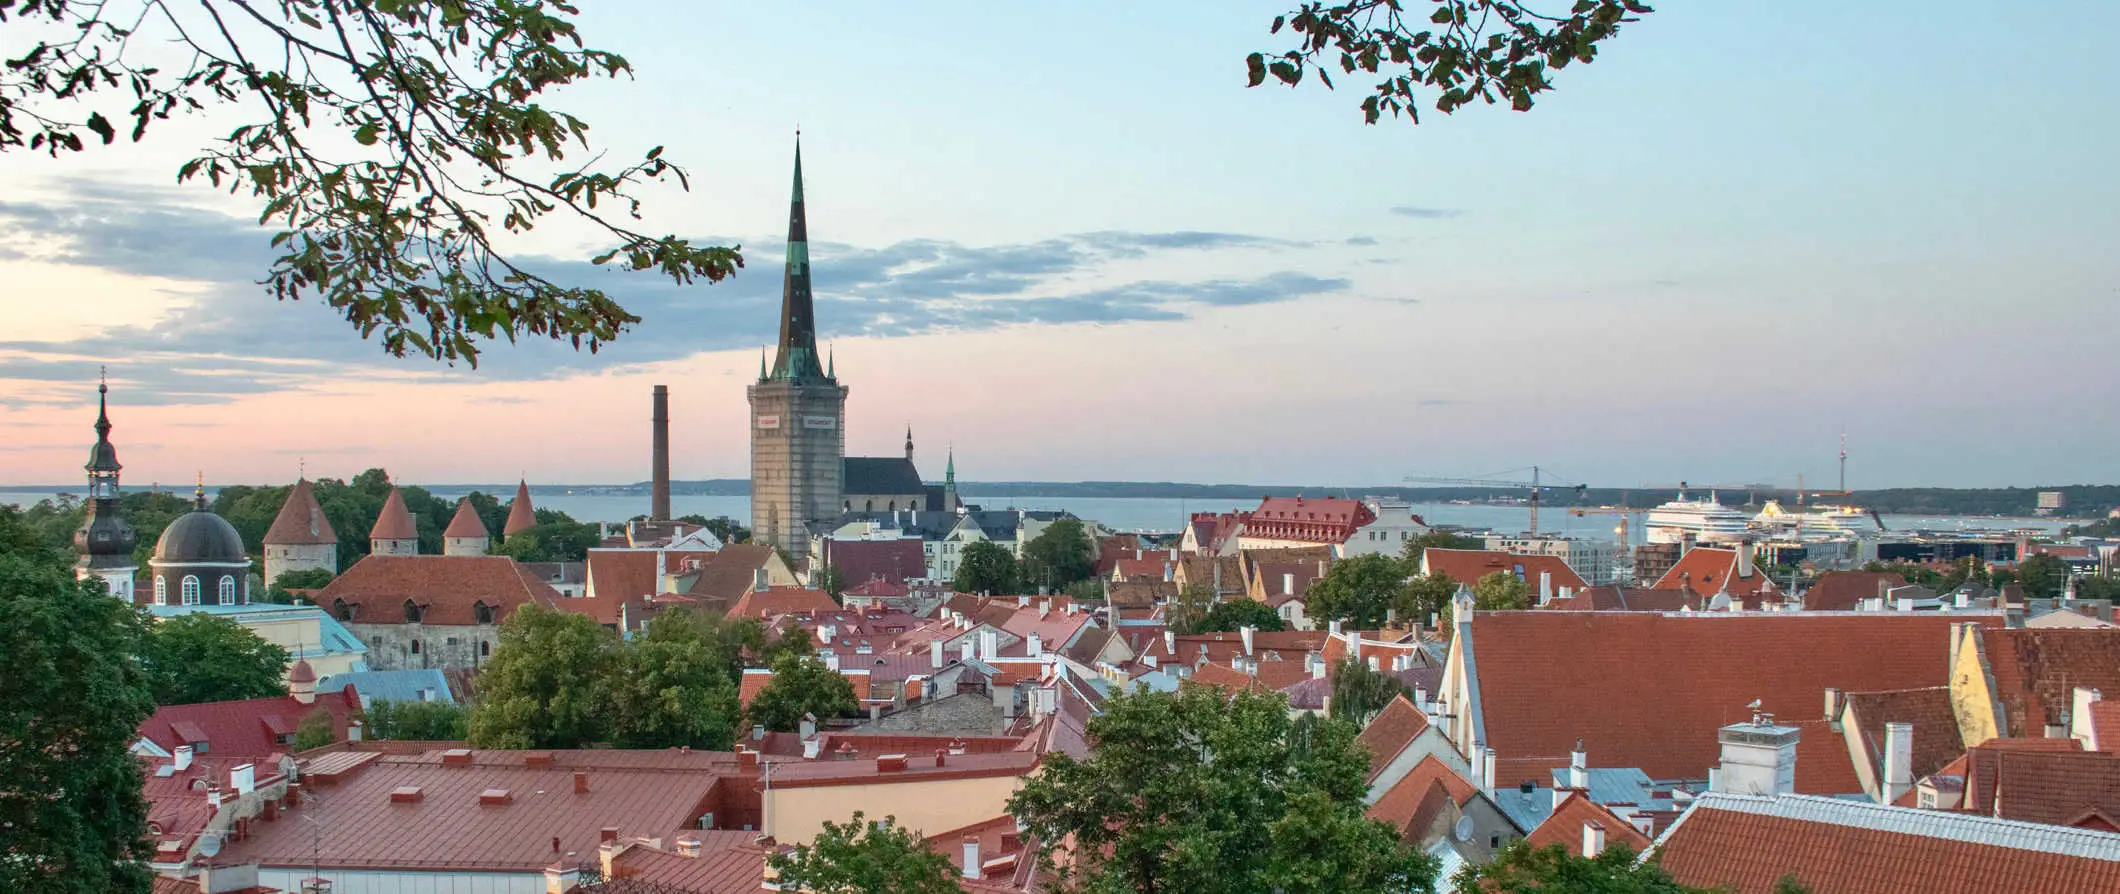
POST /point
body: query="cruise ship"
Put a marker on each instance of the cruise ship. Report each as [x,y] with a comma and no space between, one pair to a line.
[1816,522]
[1701,521]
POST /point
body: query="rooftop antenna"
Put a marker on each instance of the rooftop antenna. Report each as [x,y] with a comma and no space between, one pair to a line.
[1843,461]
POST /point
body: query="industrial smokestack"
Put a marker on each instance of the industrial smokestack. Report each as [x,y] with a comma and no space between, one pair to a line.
[659,508]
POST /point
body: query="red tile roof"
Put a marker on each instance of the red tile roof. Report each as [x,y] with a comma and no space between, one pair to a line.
[466,522]
[1936,738]
[861,561]
[2037,671]
[1565,827]
[448,587]
[735,869]
[395,521]
[521,515]
[2054,787]
[248,728]
[1328,520]
[301,521]
[2105,723]
[862,770]
[1225,678]
[1839,591]
[775,601]
[1467,566]
[1708,571]
[1682,677]
[1391,731]
[447,827]
[756,679]
[1625,599]
[1839,847]
[1412,805]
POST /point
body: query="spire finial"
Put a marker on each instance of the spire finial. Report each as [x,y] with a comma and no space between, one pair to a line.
[831,361]
[103,379]
[198,492]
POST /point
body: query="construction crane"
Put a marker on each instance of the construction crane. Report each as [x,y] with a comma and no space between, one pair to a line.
[1625,514]
[1535,486]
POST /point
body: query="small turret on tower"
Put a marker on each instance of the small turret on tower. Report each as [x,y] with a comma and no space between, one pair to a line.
[395,533]
[467,534]
[521,515]
[301,538]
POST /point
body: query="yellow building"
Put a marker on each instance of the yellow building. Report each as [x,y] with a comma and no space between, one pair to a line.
[927,793]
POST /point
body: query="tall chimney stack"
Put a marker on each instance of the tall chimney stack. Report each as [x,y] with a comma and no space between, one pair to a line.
[659,506]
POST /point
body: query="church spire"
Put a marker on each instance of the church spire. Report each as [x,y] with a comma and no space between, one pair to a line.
[102,464]
[950,501]
[798,324]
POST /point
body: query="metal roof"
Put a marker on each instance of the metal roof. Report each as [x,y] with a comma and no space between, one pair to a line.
[1956,827]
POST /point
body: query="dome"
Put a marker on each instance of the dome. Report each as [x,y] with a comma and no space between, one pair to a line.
[199,537]
[302,672]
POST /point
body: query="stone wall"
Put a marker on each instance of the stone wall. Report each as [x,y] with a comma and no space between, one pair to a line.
[444,646]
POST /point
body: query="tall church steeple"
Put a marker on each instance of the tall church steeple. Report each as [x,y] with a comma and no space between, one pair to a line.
[797,358]
[105,541]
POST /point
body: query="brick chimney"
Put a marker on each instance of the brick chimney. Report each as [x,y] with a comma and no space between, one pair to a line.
[659,462]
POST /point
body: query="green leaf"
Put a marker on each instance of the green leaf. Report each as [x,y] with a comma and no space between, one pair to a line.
[1255,68]
[1287,72]
[101,126]
[367,134]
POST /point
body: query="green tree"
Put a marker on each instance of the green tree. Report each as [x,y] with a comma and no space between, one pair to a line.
[2098,588]
[1360,591]
[1189,608]
[548,684]
[556,537]
[305,579]
[71,817]
[1500,591]
[415,721]
[985,567]
[1194,793]
[1059,556]
[801,685]
[724,528]
[1232,614]
[831,580]
[1359,693]
[392,145]
[791,639]
[1437,538]
[2043,576]
[860,857]
[1522,868]
[1426,598]
[1464,51]
[315,731]
[197,657]
[675,683]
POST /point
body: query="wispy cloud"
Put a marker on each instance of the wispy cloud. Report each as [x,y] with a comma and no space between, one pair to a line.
[1423,213]
[228,339]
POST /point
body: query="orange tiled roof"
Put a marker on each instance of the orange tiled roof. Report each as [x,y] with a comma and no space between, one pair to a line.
[1840,591]
[775,601]
[1748,844]
[466,522]
[1391,731]
[2037,671]
[2053,787]
[521,515]
[1467,566]
[301,521]
[395,521]
[1936,738]
[447,587]
[1690,675]
[1708,571]
[1565,827]
[1412,804]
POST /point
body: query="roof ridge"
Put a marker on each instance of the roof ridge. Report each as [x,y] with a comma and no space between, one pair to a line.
[1958,827]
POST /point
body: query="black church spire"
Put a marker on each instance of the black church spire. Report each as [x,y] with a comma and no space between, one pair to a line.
[797,358]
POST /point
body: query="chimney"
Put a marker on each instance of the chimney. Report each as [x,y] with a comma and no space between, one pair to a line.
[1170,642]
[1898,760]
[806,727]
[989,645]
[1332,628]
[935,652]
[746,759]
[1758,757]
[1545,588]
[581,783]
[1487,759]
[560,878]
[810,748]
[1744,560]
[659,501]
[688,846]
[1834,700]
[1288,583]
[182,757]
[971,857]
[1579,768]
[1036,648]
[1593,838]
[244,778]
[1247,631]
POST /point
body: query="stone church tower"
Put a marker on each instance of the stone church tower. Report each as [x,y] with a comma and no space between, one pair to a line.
[798,412]
[301,538]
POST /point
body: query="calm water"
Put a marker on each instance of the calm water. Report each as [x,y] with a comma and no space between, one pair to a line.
[1138,514]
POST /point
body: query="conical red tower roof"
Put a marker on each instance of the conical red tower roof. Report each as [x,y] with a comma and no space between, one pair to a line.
[466,523]
[395,522]
[301,521]
[521,515]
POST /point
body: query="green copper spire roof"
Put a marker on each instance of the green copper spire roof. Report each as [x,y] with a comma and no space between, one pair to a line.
[797,359]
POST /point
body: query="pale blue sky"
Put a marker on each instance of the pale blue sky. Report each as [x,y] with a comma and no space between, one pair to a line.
[1747,225]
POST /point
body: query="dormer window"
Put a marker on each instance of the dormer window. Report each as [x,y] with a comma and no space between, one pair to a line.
[482,612]
[340,609]
[412,612]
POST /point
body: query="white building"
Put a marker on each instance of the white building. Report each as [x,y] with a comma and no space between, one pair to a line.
[1596,560]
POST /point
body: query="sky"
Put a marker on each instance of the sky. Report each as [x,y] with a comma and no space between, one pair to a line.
[1065,241]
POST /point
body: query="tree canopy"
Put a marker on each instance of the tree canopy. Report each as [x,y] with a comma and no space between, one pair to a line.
[1059,556]
[1361,591]
[675,682]
[2043,576]
[1194,793]
[198,657]
[1522,868]
[1231,615]
[393,147]
[71,817]
[1463,51]
[414,720]
[985,567]
[1358,693]
[801,685]
[865,857]
[548,684]
[556,537]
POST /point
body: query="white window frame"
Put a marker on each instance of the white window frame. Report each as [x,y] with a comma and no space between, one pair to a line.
[226,591]
[188,590]
[161,590]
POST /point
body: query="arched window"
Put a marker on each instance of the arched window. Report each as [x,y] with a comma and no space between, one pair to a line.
[189,589]
[412,615]
[161,590]
[227,594]
[483,612]
[894,505]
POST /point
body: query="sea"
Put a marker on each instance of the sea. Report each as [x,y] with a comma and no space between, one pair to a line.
[1149,514]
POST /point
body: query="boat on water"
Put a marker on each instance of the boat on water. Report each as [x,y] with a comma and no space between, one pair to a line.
[1700,521]
[1816,522]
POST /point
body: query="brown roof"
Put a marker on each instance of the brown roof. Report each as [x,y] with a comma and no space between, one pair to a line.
[1140,593]
[445,825]
[1565,827]
[731,573]
[2053,787]
[774,601]
[301,521]
[1708,571]
[1839,591]
[1412,805]
[521,515]
[1936,739]
[1391,731]
[2037,671]
[735,869]
[466,522]
[1624,599]
[1467,566]
[862,561]
[1688,675]
[447,587]
[395,521]
[1749,844]
[1225,678]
